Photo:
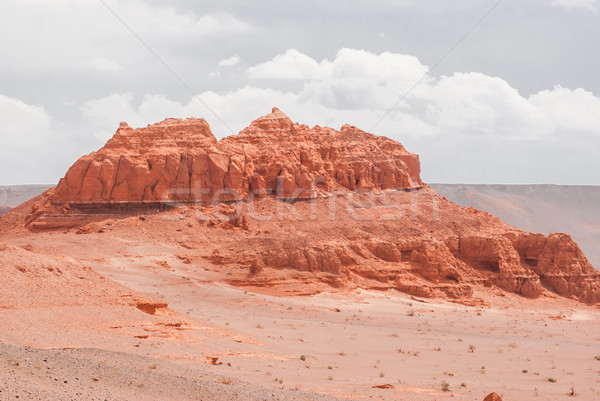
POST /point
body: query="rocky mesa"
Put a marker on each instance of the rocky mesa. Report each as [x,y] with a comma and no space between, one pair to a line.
[182,160]
[292,209]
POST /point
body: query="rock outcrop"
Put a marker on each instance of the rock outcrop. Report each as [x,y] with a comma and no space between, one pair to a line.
[500,262]
[371,222]
[492,397]
[181,160]
[516,262]
[560,264]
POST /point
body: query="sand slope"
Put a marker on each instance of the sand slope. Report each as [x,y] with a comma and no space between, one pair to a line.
[93,374]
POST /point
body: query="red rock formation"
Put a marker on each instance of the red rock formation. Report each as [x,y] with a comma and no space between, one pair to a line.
[182,160]
[497,257]
[492,397]
[560,264]
[414,240]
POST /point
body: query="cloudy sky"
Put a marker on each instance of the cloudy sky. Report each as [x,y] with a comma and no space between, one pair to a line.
[516,100]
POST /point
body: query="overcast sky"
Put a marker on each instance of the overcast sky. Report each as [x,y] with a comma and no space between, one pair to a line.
[516,101]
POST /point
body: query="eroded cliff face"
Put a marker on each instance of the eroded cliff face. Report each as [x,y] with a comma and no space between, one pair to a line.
[182,160]
[560,264]
[370,221]
[437,265]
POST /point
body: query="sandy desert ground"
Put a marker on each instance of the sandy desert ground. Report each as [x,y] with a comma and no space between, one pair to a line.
[215,339]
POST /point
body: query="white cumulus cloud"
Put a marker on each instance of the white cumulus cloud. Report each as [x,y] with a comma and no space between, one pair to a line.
[229,62]
[460,104]
[360,87]
[569,110]
[21,123]
[105,113]
[474,103]
[348,64]
[290,65]
[27,142]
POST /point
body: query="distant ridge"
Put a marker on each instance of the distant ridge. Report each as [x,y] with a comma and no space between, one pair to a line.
[14,195]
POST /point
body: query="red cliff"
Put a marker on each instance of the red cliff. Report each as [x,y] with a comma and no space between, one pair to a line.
[182,160]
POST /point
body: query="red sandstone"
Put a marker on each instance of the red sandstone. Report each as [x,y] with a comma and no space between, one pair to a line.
[182,160]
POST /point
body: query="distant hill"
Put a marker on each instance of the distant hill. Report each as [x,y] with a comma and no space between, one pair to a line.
[14,195]
[571,209]
[4,209]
